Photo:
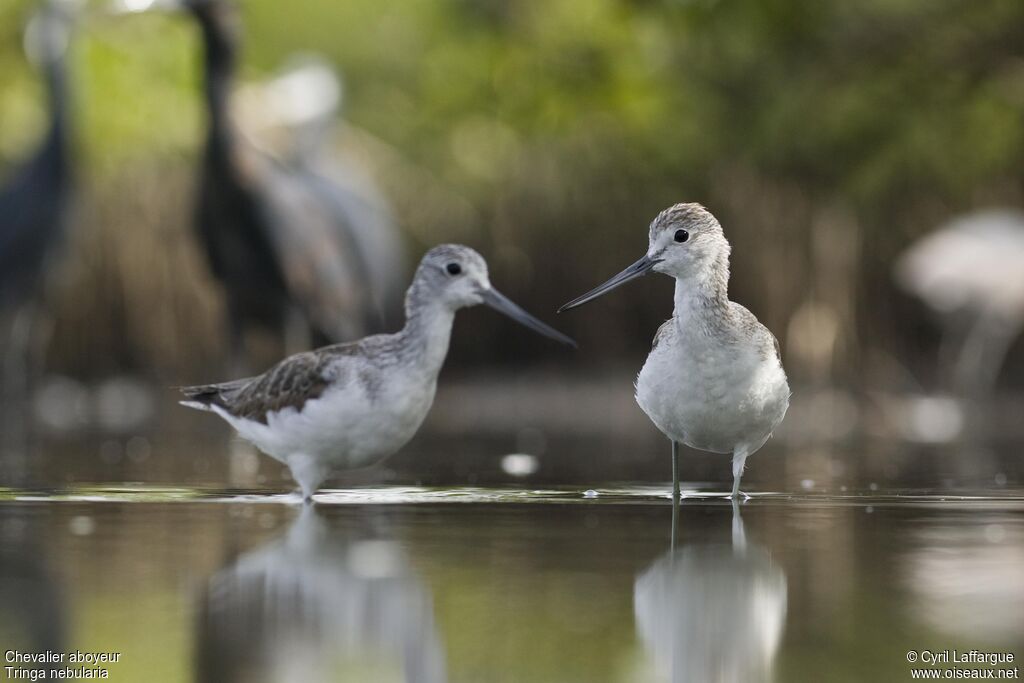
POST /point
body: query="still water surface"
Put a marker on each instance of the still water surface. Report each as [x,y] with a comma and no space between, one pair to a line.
[402,584]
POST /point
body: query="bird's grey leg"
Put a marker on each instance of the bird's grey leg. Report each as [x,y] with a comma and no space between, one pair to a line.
[675,471]
[307,473]
[739,459]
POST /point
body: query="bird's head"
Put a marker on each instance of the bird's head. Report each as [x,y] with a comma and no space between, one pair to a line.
[454,276]
[49,30]
[684,241]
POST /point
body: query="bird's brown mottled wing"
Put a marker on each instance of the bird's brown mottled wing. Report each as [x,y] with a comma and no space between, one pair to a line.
[290,383]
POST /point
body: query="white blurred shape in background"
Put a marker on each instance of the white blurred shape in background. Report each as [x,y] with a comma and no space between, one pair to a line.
[971,272]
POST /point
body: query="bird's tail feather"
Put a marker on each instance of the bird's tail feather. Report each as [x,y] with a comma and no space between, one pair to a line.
[205,396]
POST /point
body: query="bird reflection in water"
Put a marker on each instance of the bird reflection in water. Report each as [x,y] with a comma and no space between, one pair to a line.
[321,603]
[33,604]
[712,612]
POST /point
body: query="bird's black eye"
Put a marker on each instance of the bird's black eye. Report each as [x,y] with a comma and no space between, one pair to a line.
[453,268]
[682,236]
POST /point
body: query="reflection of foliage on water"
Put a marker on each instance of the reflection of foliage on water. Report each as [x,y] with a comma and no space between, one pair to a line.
[824,135]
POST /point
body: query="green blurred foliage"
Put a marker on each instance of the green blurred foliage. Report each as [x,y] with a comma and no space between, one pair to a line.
[567,124]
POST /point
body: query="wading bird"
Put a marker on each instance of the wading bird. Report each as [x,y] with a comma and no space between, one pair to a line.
[714,379]
[351,405]
[276,239]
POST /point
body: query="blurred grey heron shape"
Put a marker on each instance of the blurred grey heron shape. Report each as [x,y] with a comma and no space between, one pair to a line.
[277,237]
[294,116]
[34,211]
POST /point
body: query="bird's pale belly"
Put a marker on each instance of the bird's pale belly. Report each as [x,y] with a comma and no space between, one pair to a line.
[344,431]
[713,405]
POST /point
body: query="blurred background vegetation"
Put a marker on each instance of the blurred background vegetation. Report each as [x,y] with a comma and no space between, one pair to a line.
[825,137]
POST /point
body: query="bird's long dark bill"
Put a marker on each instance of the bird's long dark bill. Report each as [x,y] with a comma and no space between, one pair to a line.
[503,304]
[641,267]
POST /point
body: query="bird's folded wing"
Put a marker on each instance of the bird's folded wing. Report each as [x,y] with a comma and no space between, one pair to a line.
[289,384]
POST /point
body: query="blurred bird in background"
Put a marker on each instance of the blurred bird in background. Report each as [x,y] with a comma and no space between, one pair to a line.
[279,237]
[35,202]
[971,272]
[295,117]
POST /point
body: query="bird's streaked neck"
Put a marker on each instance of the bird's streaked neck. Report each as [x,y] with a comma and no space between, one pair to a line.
[428,330]
[703,294]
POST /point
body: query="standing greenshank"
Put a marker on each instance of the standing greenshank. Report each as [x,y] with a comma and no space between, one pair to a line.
[714,379]
[351,405]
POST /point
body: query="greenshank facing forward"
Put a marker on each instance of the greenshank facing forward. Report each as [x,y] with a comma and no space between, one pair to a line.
[351,405]
[714,379]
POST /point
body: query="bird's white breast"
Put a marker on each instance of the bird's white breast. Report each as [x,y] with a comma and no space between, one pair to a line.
[710,393]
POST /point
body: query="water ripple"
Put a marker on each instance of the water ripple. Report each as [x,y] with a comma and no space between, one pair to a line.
[594,495]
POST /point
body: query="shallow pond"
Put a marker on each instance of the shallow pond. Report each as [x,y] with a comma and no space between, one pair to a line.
[501,584]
